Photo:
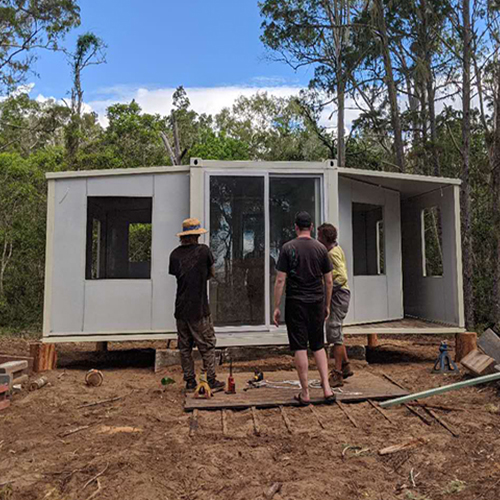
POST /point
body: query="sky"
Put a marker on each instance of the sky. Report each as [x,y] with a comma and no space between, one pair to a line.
[211,47]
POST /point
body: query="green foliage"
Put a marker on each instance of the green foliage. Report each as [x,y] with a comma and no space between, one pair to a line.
[30,24]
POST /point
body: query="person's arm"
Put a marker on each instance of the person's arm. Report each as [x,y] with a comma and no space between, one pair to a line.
[211,266]
[278,293]
[329,286]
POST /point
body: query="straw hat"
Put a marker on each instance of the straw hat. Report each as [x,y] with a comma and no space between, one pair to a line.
[191,226]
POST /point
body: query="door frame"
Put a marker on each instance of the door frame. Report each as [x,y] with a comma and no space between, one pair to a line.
[266,175]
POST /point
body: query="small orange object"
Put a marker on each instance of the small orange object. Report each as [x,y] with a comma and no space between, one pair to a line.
[231,384]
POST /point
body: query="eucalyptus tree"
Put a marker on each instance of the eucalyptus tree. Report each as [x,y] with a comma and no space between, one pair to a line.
[28,26]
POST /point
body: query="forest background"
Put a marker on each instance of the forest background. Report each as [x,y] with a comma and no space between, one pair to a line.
[422,75]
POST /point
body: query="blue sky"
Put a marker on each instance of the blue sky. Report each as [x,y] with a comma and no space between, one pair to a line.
[155,46]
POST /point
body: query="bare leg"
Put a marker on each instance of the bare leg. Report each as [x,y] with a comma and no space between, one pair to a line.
[346,359]
[339,354]
[322,364]
[302,365]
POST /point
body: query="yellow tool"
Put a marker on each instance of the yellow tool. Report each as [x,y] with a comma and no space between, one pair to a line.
[203,389]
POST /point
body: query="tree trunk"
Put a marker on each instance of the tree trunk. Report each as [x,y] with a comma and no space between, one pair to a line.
[391,87]
[495,192]
[465,199]
[340,124]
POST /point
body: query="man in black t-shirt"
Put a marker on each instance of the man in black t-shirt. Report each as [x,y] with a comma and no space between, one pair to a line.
[192,265]
[305,267]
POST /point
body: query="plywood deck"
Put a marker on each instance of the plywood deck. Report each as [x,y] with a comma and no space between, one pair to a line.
[360,387]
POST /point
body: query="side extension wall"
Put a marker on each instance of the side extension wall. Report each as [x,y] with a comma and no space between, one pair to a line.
[434,298]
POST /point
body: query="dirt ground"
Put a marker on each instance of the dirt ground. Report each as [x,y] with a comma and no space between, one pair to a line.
[52,447]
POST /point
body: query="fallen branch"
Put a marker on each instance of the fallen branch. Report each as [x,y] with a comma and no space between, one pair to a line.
[88,405]
[95,492]
[73,431]
[408,445]
[90,481]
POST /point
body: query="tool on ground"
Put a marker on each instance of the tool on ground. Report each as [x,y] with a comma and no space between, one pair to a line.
[167,381]
[444,363]
[38,383]
[203,389]
[231,385]
[258,376]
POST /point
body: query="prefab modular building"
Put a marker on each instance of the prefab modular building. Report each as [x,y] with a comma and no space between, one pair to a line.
[110,234]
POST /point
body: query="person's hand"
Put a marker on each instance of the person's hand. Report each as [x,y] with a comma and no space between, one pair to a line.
[276,316]
[327,312]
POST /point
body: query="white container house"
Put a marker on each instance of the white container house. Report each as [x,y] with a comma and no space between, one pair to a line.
[110,234]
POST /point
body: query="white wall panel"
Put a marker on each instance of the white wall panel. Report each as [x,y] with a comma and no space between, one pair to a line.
[133,185]
[68,258]
[374,298]
[117,305]
[170,208]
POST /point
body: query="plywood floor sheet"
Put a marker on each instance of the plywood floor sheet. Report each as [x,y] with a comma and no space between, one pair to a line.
[360,387]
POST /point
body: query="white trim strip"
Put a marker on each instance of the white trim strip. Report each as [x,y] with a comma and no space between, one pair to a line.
[117,171]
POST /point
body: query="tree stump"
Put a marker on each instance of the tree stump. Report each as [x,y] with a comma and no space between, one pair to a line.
[44,356]
[372,340]
[464,344]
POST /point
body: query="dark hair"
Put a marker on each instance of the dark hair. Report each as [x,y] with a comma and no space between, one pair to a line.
[189,239]
[329,232]
[303,220]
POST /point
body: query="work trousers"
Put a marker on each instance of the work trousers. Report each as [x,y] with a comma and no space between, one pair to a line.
[338,311]
[200,333]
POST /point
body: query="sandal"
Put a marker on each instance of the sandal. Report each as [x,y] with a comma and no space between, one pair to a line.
[302,402]
[329,400]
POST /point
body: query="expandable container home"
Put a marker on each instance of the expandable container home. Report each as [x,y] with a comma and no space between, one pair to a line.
[110,233]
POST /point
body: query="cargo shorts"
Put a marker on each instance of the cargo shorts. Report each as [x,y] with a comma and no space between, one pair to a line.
[338,311]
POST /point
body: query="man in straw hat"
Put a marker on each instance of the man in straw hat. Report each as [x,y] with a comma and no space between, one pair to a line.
[192,264]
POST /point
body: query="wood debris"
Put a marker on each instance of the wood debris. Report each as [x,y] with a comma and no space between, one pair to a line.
[407,445]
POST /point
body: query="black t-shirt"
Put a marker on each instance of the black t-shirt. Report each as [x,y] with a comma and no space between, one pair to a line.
[191,264]
[305,261]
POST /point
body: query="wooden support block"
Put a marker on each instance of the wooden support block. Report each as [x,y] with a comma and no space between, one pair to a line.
[372,340]
[479,364]
[4,397]
[464,344]
[4,358]
[489,343]
[101,346]
[44,356]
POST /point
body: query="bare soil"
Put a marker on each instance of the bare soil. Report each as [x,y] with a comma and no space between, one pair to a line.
[138,447]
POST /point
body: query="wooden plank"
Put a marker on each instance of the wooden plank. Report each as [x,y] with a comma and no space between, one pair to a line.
[442,422]
[478,363]
[256,426]
[360,387]
[315,413]
[464,343]
[393,381]
[346,413]
[489,343]
[193,426]
[224,422]
[440,390]
[408,445]
[424,419]
[288,424]
[380,410]
[4,358]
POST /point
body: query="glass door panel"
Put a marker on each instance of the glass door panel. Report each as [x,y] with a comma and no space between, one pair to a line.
[237,240]
[287,196]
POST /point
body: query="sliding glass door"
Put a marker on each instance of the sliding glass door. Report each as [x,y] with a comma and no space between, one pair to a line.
[251,218]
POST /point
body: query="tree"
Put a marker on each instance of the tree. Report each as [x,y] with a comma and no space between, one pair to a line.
[315,33]
[29,25]
[89,51]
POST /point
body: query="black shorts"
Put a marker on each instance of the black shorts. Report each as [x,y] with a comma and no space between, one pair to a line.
[304,323]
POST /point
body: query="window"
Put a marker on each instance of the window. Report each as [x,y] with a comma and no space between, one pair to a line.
[118,237]
[368,239]
[432,242]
